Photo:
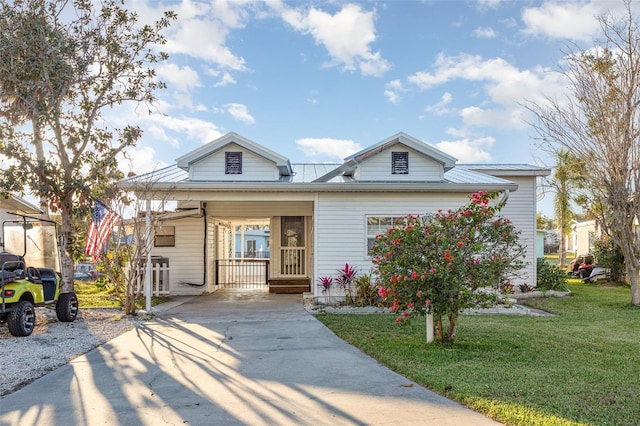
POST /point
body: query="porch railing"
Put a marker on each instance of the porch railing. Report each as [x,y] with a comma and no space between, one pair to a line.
[292,261]
[242,273]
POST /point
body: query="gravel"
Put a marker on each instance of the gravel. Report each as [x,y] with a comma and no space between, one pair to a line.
[53,344]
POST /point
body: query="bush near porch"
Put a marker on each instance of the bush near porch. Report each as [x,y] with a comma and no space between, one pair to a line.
[579,367]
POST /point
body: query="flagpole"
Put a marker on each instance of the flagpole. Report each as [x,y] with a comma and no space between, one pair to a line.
[147,275]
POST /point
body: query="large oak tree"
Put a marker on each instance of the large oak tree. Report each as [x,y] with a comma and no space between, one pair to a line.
[62,63]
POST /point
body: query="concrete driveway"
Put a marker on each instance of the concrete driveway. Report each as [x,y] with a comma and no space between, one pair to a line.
[229,358]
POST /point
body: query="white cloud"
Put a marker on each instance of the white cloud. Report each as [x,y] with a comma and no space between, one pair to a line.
[506,87]
[393,90]
[164,128]
[494,118]
[202,29]
[139,160]
[464,66]
[226,80]
[347,36]
[440,108]
[489,4]
[468,150]
[334,149]
[564,20]
[484,32]
[240,112]
[182,79]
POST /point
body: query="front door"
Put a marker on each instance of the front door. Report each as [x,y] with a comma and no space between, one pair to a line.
[293,251]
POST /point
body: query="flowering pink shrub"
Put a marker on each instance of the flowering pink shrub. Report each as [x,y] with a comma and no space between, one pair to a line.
[436,263]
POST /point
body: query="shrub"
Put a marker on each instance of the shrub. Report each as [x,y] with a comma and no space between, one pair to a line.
[550,277]
[366,292]
[610,256]
[439,263]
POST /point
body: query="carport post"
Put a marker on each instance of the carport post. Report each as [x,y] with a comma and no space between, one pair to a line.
[147,274]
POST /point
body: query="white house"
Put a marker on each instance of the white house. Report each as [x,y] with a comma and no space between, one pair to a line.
[583,235]
[320,216]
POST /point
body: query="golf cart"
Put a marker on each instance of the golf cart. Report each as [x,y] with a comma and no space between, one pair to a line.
[30,274]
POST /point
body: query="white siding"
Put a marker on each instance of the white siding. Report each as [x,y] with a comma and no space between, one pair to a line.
[584,233]
[521,210]
[254,167]
[421,168]
[187,257]
[341,224]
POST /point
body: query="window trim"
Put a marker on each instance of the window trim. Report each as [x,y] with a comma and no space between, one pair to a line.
[367,235]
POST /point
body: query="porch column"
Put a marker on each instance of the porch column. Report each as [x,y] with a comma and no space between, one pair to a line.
[147,275]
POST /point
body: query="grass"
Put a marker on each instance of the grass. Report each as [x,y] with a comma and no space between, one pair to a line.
[580,367]
[91,295]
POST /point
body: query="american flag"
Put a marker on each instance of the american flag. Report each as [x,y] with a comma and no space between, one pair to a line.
[102,223]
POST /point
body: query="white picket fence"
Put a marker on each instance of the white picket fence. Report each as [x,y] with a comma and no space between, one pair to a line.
[159,279]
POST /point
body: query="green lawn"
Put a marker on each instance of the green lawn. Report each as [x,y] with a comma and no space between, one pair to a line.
[580,367]
[92,296]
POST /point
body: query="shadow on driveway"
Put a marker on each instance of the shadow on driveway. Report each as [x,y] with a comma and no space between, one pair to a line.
[231,357]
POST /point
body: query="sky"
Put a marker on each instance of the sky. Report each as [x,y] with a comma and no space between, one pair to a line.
[317,81]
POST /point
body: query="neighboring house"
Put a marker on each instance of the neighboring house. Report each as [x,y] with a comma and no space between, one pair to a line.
[552,241]
[320,216]
[251,242]
[583,234]
[540,234]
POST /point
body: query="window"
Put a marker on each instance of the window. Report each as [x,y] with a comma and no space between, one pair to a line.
[377,225]
[165,236]
[250,250]
[400,163]
[233,163]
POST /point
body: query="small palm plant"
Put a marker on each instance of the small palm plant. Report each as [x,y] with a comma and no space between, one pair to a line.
[326,283]
[345,279]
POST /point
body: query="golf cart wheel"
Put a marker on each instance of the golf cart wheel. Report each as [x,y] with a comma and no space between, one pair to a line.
[22,320]
[67,307]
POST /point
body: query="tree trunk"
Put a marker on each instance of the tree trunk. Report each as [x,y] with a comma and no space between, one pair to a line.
[634,282]
[437,320]
[453,327]
[65,256]
[37,141]
[562,249]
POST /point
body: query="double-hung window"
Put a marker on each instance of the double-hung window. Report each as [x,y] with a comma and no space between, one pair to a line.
[377,225]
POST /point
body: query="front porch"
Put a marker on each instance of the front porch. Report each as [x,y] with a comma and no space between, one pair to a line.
[272,252]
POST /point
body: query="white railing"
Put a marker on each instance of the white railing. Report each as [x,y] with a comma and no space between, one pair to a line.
[292,261]
[159,279]
[242,273]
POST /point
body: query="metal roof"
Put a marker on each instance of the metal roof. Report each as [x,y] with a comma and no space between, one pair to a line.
[307,173]
[508,169]
[464,175]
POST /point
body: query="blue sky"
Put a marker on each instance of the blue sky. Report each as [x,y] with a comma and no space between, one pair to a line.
[319,80]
